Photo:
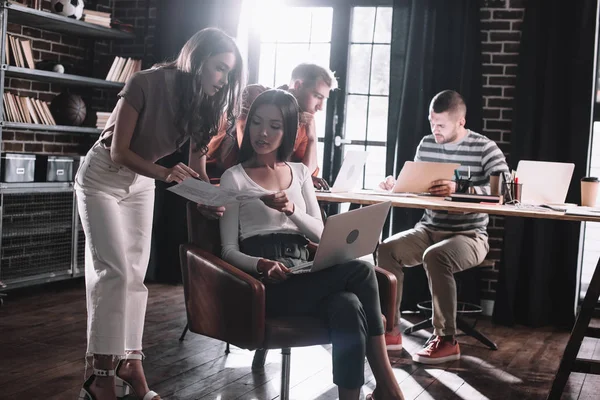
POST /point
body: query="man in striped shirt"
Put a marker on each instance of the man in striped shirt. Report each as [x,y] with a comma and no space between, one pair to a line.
[444,242]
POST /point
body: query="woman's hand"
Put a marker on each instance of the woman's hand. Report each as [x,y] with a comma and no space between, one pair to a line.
[211,212]
[179,173]
[280,202]
[272,271]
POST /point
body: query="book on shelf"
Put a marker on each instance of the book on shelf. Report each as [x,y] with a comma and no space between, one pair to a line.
[27,110]
[19,51]
[97,17]
[101,119]
[123,68]
[35,4]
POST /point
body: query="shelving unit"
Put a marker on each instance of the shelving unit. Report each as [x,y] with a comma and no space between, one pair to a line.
[57,23]
[63,79]
[37,233]
[21,126]
[41,238]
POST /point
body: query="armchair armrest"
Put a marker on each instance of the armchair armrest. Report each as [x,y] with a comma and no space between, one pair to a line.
[312,250]
[222,301]
[387,283]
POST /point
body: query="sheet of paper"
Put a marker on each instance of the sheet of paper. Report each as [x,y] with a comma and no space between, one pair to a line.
[586,211]
[204,193]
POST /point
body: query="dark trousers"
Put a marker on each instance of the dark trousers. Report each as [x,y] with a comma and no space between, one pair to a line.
[345,296]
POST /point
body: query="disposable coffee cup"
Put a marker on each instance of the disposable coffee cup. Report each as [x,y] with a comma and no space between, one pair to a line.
[589,191]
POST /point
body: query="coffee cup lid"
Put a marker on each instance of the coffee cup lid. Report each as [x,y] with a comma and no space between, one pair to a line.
[589,179]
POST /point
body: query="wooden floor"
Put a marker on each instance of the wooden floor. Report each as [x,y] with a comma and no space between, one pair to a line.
[42,343]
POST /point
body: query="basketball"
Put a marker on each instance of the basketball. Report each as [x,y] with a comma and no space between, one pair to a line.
[68,109]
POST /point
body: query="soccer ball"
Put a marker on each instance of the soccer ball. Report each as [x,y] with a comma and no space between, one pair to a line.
[68,8]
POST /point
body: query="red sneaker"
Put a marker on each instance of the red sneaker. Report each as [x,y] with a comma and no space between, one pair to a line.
[438,351]
[393,340]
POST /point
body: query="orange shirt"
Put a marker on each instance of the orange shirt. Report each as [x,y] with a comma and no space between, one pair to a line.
[223,150]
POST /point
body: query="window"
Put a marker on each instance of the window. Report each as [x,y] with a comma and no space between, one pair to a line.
[286,42]
[289,35]
[368,88]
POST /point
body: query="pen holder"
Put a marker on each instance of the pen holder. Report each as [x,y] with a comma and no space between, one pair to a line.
[464,186]
[512,192]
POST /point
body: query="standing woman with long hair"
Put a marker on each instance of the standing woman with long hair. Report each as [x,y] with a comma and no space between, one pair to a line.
[158,111]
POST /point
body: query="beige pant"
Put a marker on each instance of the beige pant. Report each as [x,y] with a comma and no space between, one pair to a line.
[442,254]
[116,207]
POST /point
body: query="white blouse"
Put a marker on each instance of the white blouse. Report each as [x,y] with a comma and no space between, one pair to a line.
[253,217]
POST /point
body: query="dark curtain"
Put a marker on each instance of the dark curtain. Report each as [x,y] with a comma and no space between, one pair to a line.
[551,122]
[177,21]
[436,45]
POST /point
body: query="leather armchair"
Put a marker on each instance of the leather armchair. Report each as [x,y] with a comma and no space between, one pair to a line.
[225,303]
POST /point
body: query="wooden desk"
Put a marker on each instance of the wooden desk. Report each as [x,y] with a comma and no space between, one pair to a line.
[439,204]
[569,362]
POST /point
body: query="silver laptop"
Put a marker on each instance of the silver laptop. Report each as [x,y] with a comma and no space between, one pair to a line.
[417,176]
[347,236]
[350,172]
[544,183]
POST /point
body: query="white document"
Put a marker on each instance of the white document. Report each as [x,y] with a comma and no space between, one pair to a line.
[585,211]
[202,192]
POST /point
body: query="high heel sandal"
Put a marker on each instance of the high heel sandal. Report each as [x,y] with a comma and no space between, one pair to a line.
[85,393]
[123,387]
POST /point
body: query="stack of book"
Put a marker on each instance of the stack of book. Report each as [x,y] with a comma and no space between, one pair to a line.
[27,110]
[97,17]
[18,51]
[101,119]
[122,69]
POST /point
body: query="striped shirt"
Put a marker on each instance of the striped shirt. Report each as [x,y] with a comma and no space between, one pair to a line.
[474,151]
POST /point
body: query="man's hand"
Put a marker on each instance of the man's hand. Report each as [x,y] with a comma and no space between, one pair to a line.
[320,183]
[280,202]
[308,120]
[442,187]
[388,184]
[211,212]
[272,271]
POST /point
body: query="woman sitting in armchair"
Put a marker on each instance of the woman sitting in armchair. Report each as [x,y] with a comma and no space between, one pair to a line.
[266,237]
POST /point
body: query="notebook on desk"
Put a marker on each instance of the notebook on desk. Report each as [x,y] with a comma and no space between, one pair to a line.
[473,198]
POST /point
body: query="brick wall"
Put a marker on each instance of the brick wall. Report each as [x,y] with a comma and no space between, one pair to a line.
[88,57]
[501,22]
[500,35]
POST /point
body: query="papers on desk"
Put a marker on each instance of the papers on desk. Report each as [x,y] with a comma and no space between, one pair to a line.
[202,192]
[587,211]
[381,192]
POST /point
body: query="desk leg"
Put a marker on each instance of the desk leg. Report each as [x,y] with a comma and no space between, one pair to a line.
[569,359]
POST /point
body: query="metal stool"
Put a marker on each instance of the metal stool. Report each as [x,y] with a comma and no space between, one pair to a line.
[463,309]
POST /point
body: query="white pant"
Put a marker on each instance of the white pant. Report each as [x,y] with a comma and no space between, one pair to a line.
[116,208]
